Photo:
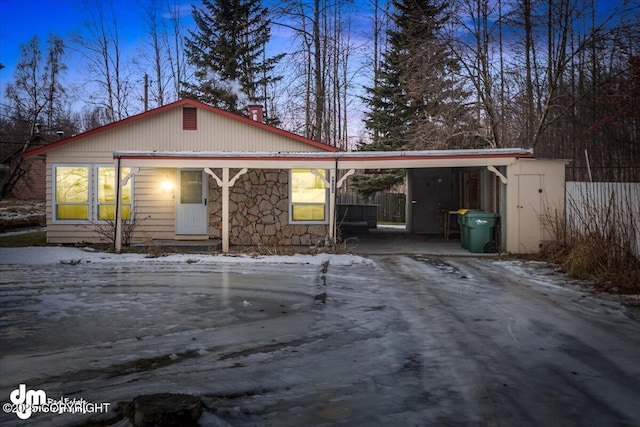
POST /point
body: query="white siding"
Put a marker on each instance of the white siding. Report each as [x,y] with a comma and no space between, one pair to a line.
[605,207]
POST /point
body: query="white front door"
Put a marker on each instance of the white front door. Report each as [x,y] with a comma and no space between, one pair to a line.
[191,202]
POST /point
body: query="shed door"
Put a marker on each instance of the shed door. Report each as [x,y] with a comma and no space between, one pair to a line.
[191,202]
[529,208]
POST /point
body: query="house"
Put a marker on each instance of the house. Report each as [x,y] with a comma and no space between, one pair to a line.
[190,171]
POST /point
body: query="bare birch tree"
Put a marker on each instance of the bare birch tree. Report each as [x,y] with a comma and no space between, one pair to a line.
[323,59]
[36,100]
[101,49]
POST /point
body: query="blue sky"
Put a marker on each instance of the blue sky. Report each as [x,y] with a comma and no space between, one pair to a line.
[21,20]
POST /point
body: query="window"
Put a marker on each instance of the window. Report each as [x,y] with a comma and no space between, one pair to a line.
[83,193]
[106,206]
[191,187]
[308,197]
[71,193]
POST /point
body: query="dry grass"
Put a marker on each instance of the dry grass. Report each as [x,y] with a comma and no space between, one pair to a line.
[598,246]
[35,238]
[606,262]
[598,261]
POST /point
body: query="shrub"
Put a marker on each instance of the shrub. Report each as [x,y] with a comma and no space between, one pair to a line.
[598,243]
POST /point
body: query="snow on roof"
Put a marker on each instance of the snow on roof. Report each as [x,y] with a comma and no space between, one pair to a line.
[491,152]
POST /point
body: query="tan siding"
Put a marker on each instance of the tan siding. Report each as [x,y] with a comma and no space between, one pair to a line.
[163,132]
[60,157]
[551,199]
[154,208]
[72,233]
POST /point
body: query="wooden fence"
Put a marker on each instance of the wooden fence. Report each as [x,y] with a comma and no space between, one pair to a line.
[608,208]
[391,206]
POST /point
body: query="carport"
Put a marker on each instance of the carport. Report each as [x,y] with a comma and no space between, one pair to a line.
[524,191]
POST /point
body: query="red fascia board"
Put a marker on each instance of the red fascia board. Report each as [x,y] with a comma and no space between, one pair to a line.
[328,157]
[270,158]
[447,157]
[177,104]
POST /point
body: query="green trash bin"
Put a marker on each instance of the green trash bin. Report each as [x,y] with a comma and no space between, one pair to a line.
[464,232]
[480,227]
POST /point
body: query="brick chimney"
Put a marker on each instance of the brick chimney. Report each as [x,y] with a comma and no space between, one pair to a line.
[255,113]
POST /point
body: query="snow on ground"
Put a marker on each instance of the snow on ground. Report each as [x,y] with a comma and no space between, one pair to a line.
[404,340]
[68,255]
[22,210]
[23,231]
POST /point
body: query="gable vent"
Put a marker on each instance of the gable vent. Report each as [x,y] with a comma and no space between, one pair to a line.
[189,118]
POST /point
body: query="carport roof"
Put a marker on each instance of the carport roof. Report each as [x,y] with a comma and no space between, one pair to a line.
[338,160]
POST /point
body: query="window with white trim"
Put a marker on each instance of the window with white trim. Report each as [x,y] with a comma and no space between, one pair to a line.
[71,199]
[307,197]
[106,194]
[83,193]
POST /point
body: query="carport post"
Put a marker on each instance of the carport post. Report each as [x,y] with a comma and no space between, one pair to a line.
[117,239]
[225,210]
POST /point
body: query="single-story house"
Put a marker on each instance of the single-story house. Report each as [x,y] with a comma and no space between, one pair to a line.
[189,171]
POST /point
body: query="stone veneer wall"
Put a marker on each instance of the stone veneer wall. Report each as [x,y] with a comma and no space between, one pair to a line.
[259,211]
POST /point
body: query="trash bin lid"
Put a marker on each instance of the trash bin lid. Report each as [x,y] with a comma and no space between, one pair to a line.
[462,211]
[481,214]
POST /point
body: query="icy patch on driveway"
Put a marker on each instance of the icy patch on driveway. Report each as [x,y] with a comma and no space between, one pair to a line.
[399,340]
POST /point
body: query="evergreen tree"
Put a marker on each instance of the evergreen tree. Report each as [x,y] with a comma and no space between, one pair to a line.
[416,101]
[228,51]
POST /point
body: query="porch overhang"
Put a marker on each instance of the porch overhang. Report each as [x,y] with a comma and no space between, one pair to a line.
[324,160]
[331,161]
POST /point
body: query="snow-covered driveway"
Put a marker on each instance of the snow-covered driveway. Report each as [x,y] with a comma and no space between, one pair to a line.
[401,340]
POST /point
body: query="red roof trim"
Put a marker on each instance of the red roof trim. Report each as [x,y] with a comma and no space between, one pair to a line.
[270,158]
[436,157]
[328,157]
[171,106]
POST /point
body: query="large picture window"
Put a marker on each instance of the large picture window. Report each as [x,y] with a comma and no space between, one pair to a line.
[308,201]
[84,193]
[72,193]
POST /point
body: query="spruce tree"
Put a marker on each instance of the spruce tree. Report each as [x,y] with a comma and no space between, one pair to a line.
[416,100]
[228,51]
